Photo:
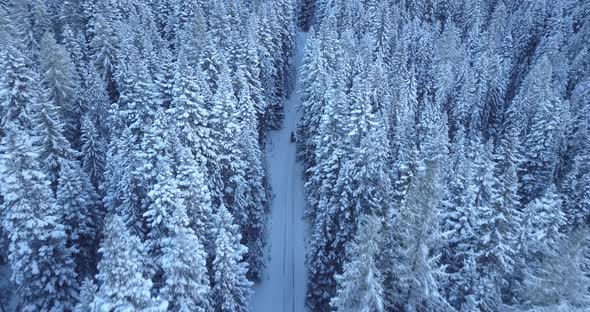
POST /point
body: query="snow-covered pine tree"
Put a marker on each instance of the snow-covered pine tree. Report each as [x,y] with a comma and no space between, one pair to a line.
[250,195]
[210,62]
[252,71]
[93,153]
[314,82]
[81,215]
[117,198]
[29,21]
[155,164]
[60,80]
[360,286]
[541,230]
[54,148]
[138,121]
[42,265]
[287,36]
[183,12]
[419,273]
[495,229]
[102,52]
[192,183]
[324,256]
[183,262]
[576,184]
[236,50]
[189,111]
[273,69]
[96,101]
[180,257]
[448,61]
[458,223]
[576,191]
[404,140]
[231,288]
[363,183]
[560,281]
[123,279]
[87,293]
[539,110]
[75,44]
[226,169]
[220,24]
[17,106]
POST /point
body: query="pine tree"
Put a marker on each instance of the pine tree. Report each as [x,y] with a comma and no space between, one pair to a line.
[575,188]
[177,250]
[189,110]
[360,287]
[137,105]
[195,193]
[75,44]
[495,230]
[42,265]
[17,105]
[87,293]
[220,24]
[210,61]
[55,149]
[81,216]
[123,280]
[231,289]
[288,30]
[404,140]
[103,47]
[226,168]
[326,248]
[154,160]
[194,36]
[60,81]
[164,79]
[164,200]
[449,53]
[183,12]
[96,103]
[314,77]
[250,193]
[273,73]
[459,223]
[538,101]
[30,20]
[236,50]
[543,220]
[560,281]
[93,153]
[577,193]
[419,273]
[183,262]
[142,138]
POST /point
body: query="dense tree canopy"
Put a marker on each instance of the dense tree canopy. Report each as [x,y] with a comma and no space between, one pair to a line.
[445,146]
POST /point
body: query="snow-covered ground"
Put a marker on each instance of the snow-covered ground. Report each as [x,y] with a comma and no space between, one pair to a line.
[7,298]
[283,286]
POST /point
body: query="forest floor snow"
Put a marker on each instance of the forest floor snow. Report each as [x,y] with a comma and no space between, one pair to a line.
[282,288]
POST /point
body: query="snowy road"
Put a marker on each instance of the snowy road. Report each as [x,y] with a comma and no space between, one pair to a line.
[283,286]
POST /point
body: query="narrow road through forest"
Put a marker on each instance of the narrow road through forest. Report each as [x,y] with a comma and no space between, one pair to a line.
[282,288]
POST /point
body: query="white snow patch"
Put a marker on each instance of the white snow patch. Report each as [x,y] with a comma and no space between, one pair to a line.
[8,299]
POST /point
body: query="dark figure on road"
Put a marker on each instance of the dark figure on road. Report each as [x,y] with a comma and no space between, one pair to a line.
[293,138]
